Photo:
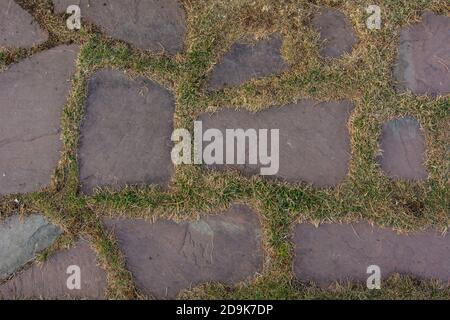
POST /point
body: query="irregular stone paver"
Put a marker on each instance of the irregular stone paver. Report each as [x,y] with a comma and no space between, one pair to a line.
[151,24]
[18,29]
[21,240]
[49,281]
[344,252]
[32,96]
[314,139]
[166,257]
[335,31]
[423,62]
[403,150]
[245,61]
[126,136]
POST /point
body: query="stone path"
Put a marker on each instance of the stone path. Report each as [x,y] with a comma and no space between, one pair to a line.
[336,33]
[314,139]
[333,253]
[403,150]
[126,140]
[126,117]
[21,239]
[423,60]
[18,29]
[153,25]
[246,61]
[49,281]
[32,97]
[166,257]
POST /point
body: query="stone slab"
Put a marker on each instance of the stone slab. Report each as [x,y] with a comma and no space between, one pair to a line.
[314,139]
[32,97]
[49,281]
[126,133]
[403,150]
[336,32]
[20,240]
[166,257]
[18,29]
[344,252]
[423,61]
[244,62]
[150,25]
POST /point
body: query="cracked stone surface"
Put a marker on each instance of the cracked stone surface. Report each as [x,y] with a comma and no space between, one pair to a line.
[32,97]
[21,239]
[336,32]
[125,136]
[49,281]
[248,61]
[18,29]
[403,150]
[154,25]
[423,61]
[166,257]
[314,139]
[343,252]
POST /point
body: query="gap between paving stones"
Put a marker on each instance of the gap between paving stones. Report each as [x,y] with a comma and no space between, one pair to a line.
[418,102]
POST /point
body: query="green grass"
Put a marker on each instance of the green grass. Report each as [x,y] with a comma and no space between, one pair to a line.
[364,77]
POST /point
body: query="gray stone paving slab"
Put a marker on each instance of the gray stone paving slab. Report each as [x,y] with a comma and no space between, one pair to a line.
[344,252]
[49,281]
[18,29]
[21,239]
[403,150]
[150,25]
[126,133]
[336,32]
[166,257]
[244,62]
[32,97]
[314,139]
[423,60]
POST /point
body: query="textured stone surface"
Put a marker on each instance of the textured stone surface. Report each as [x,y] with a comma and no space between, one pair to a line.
[246,61]
[20,240]
[49,281]
[335,31]
[423,61]
[403,150]
[126,132]
[32,96]
[343,252]
[166,257]
[18,28]
[314,139]
[151,24]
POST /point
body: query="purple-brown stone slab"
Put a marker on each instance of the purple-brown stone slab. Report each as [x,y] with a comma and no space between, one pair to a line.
[248,61]
[21,238]
[314,145]
[32,97]
[153,25]
[336,32]
[49,281]
[423,62]
[18,29]
[403,150]
[126,133]
[335,252]
[166,257]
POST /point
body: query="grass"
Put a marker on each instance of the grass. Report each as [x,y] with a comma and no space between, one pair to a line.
[363,77]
